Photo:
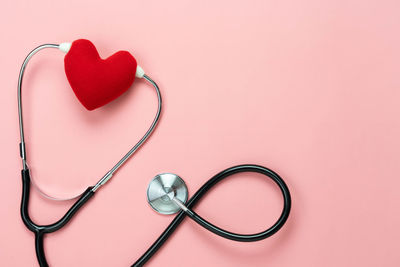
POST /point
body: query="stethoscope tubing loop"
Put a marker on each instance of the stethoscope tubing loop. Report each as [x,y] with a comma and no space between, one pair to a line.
[193,201]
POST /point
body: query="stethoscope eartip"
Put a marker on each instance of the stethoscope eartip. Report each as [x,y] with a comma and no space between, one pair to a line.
[163,192]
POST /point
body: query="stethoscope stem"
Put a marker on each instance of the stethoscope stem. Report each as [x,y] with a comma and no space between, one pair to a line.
[181,205]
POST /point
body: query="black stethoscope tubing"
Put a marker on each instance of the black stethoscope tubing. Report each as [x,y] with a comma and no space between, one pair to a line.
[287,203]
[41,230]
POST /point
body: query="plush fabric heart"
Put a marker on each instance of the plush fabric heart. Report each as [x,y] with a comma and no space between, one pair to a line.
[97,81]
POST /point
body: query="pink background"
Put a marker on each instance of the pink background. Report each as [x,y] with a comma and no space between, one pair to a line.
[307,88]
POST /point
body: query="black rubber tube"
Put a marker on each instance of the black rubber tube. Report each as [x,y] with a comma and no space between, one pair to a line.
[203,190]
[40,250]
[41,230]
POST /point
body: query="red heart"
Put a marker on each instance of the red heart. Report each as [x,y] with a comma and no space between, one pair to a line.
[97,81]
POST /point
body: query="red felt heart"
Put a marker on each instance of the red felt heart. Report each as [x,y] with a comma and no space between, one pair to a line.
[97,81]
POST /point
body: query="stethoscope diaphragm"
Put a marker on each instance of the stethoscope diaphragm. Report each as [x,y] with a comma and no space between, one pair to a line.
[163,191]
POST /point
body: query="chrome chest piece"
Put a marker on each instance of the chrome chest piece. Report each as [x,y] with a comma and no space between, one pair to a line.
[166,192]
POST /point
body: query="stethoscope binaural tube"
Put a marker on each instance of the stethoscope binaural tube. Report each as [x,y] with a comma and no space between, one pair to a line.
[186,210]
[41,230]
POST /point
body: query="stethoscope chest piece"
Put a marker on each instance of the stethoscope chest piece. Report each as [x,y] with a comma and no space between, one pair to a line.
[163,191]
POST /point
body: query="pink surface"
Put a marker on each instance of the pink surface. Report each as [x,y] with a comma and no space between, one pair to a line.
[307,88]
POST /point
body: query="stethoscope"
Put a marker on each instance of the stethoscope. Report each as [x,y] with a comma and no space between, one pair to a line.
[166,193]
